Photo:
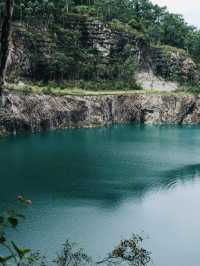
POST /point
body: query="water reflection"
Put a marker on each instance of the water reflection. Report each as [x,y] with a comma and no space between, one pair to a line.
[103,166]
[102,184]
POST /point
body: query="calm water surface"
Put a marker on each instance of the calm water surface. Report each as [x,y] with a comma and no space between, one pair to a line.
[96,186]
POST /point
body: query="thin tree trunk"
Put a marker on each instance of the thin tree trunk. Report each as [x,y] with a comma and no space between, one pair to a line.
[5,40]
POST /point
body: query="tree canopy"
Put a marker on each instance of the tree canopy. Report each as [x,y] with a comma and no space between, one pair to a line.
[158,25]
[72,59]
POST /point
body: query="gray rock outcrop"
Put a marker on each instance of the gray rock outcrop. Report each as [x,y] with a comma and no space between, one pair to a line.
[34,113]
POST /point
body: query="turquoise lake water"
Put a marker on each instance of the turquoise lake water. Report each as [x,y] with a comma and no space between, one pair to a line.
[96,186]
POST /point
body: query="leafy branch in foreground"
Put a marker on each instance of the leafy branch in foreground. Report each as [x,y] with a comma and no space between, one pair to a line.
[72,256]
[15,254]
[128,252]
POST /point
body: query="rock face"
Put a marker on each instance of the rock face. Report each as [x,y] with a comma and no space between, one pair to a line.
[35,51]
[173,64]
[34,113]
[149,81]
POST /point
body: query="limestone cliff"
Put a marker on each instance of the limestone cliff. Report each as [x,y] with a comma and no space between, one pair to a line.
[34,113]
[37,53]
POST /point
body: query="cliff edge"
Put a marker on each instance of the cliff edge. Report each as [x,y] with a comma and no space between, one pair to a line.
[35,113]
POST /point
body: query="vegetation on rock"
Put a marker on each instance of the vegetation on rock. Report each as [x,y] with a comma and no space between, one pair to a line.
[101,40]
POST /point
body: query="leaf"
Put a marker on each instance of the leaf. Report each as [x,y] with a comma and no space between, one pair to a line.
[3,259]
[20,251]
[2,239]
[16,248]
[13,221]
[24,251]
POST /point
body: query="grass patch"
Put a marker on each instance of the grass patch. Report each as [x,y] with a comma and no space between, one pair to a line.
[64,90]
[60,91]
[79,88]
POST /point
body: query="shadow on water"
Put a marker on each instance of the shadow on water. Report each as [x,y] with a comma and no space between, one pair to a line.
[108,193]
[103,166]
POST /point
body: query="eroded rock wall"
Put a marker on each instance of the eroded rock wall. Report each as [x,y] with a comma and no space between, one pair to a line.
[34,113]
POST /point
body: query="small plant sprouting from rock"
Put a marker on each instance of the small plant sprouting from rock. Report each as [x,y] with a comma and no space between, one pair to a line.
[128,252]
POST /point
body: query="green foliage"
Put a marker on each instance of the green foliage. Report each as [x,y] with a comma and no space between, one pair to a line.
[15,255]
[156,22]
[191,88]
[108,85]
[85,10]
[71,255]
[128,251]
[60,47]
[63,53]
[130,28]
[168,50]
[174,64]
[174,31]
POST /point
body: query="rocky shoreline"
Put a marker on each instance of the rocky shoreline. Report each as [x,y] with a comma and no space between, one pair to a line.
[35,113]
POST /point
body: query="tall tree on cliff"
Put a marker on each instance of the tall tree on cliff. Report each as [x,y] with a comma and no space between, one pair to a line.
[5,40]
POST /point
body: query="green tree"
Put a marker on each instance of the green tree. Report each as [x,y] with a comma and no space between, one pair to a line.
[174,30]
